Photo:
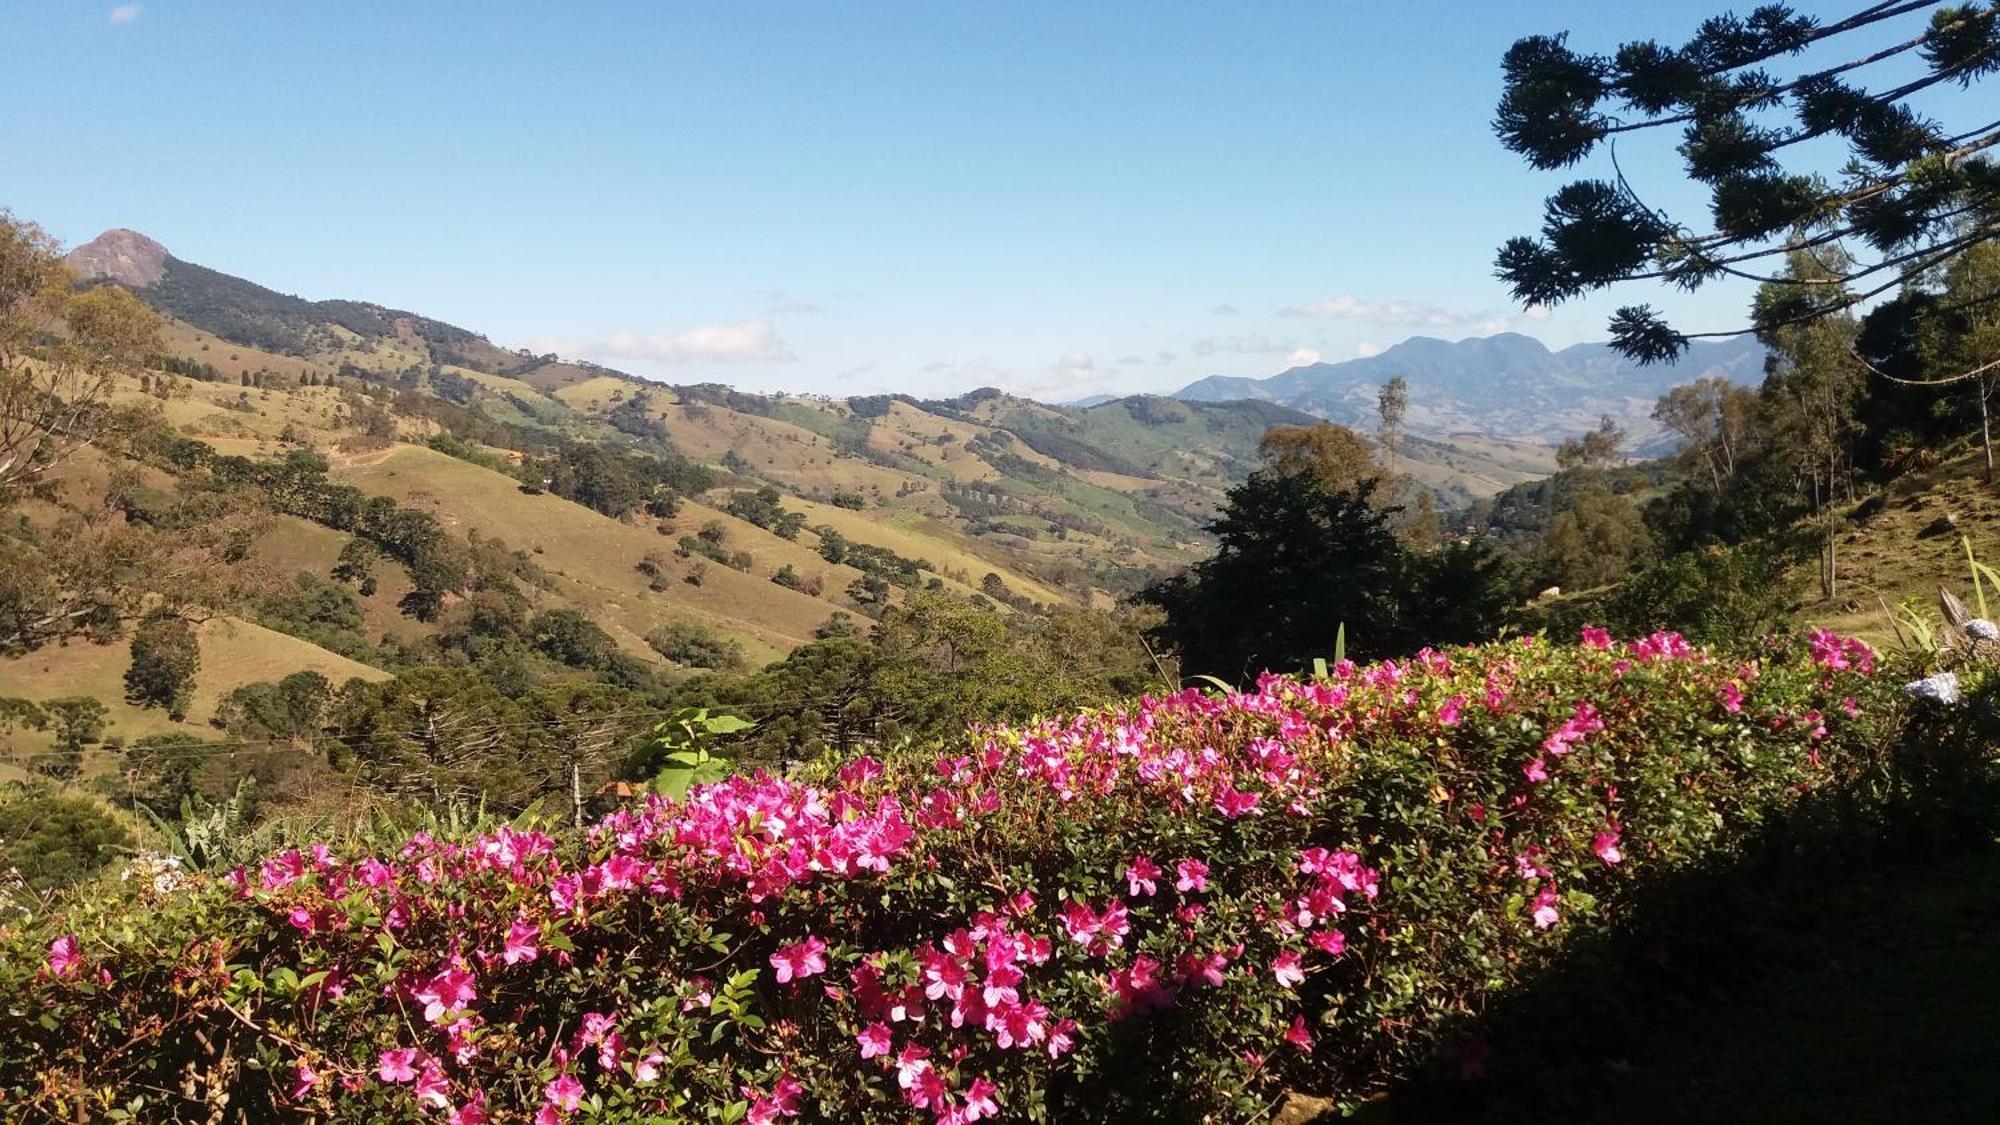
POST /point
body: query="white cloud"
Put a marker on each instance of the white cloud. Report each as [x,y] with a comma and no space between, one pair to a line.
[125,13]
[1131,360]
[1225,310]
[1164,356]
[752,341]
[1365,348]
[1536,312]
[1493,327]
[1300,357]
[1075,365]
[1418,313]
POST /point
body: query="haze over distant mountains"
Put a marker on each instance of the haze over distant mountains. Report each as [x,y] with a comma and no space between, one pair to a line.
[1509,386]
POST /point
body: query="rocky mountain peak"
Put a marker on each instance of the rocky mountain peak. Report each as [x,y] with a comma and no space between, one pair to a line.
[124,256]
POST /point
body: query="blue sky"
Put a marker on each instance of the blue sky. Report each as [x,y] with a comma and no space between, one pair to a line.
[838,198]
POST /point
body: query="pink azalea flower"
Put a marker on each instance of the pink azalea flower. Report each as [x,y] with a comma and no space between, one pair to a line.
[447,991]
[1330,942]
[1605,844]
[1190,875]
[1596,637]
[431,1088]
[397,1065]
[473,1112]
[1449,713]
[1234,803]
[1286,969]
[782,1101]
[1298,1035]
[1140,876]
[875,1040]
[563,1092]
[521,939]
[1536,771]
[1062,1037]
[63,956]
[1732,697]
[981,1099]
[305,1079]
[647,1068]
[800,960]
[1545,908]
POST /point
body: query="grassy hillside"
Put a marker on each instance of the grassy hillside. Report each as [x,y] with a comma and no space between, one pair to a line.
[234,652]
[1902,543]
[988,493]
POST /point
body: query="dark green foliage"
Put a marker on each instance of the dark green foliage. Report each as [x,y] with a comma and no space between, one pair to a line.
[1075,453]
[162,770]
[764,509]
[568,637]
[617,483]
[1915,191]
[21,714]
[357,565]
[78,721]
[869,590]
[451,445]
[165,656]
[872,561]
[1295,563]
[325,613]
[434,735]
[246,313]
[695,646]
[438,562]
[55,839]
[634,417]
[850,500]
[1722,596]
[291,708]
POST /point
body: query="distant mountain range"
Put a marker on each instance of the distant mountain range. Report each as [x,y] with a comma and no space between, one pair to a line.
[1507,386]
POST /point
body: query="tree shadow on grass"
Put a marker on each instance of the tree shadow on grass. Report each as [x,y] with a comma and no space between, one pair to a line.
[1855,978]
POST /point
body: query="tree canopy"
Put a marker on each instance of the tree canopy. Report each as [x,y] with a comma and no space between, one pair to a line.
[1298,559]
[1747,95]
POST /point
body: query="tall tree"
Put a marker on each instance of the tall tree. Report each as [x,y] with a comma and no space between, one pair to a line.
[60,351]
[165,656]
[79,722]
[1392,402]
[1961,337]
[1912,194]
[1716,422]
[1595,451]
[1333,455]
[1812,389]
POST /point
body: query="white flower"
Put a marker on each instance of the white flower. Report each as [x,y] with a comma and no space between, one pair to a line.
[161,872]
[1941,688]
[1982,629]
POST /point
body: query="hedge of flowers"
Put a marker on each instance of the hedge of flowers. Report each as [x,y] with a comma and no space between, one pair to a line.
[1182,907]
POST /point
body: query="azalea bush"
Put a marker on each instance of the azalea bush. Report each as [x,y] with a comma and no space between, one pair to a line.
[1176,909]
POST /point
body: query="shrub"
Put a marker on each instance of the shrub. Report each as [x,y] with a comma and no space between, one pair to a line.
[1178,908]
[697,646]
[55,839]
